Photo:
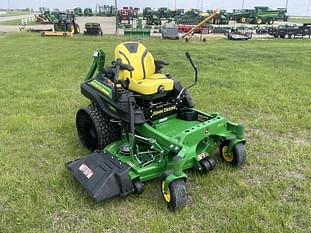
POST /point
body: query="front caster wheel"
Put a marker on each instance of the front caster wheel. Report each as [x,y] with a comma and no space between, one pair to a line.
[176,195]
[236,156]
[138,187]
[207,164]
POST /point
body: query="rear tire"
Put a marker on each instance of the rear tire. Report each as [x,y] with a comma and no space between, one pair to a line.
[95,129]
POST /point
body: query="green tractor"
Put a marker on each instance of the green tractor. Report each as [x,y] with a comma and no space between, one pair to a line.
[142,125]
[66,23]
[78,11]
[88,12]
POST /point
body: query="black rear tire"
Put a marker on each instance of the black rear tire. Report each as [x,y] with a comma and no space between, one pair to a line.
[95,129]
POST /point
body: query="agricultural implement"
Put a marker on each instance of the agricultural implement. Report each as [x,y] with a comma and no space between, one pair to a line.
[142,125]
[169,31]
[64,25]
[240,33]
[291,32]
[190,33]
[93,29]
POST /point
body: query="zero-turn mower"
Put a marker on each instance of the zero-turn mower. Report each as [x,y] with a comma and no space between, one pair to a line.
[142,125]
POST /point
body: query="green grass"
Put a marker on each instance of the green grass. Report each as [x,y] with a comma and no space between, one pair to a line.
[15,13]
[300,19]
[264,84]
[15,22]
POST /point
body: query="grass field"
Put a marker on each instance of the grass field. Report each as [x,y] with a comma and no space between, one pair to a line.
[300,19]
[15,13]
[15,22]
[264,84]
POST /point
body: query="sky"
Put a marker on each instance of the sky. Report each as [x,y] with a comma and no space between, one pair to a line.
[295,7]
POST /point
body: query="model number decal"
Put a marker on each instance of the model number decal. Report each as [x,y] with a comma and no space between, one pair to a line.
[86,171]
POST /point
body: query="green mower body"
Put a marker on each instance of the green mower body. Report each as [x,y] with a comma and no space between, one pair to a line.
[137,138]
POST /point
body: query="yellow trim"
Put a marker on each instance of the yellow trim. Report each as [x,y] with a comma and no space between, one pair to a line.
[72,28]
[228,156]
[143,78]
[166,195]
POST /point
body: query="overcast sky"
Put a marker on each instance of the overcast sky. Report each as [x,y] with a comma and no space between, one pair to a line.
[295,7]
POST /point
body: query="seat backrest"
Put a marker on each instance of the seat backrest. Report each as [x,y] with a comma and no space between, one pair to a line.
[139,57]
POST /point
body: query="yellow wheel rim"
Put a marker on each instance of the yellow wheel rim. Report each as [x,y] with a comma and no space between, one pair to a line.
[243,20]
[228,156]
[259,21]
[166,195]
[72,29]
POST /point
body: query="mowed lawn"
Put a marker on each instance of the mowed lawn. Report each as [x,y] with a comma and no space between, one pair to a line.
[264,84]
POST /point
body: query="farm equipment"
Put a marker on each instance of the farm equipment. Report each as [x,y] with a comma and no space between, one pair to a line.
[153,18]
[88,12]
[146,12]
[191,17]
[291,31]
[105,10]
[77,11]
[163,12]
[169,31]
[93,29]
[240,33]
[141,125]
[127,14]
[47,17]
[222,18]
[64,25]
[138,32]
[190,33]
[259,15]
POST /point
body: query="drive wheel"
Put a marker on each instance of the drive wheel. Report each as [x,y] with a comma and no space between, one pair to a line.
[259,21]
[207,164]
[72,28]
[176,195]
[236,156]
[77,28]
[243,20]
[95,129]
[271,21]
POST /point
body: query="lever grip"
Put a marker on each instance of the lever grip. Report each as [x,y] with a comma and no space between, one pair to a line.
[127,67]
[123,66]
[188,55]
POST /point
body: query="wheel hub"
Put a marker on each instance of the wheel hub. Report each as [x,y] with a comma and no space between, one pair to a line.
[166,194]
[228,156]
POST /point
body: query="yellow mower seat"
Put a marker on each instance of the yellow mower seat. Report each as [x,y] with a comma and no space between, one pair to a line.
[143,79]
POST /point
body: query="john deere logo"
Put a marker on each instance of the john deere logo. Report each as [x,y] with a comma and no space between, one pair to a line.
[163,110]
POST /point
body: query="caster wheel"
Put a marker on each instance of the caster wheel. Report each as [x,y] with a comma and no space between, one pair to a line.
[176,195]
[207,164]
[139,187]
[236,156]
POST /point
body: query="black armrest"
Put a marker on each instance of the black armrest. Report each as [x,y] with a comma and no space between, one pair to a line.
[159,65]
